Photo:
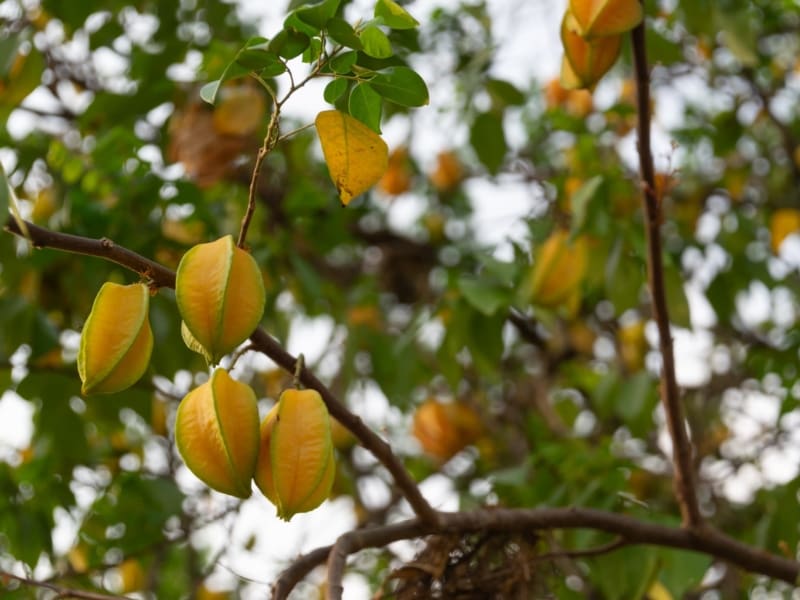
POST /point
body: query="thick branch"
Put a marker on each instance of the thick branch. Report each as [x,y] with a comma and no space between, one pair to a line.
[670,398]
[102,248]
[261,340]
[504,520]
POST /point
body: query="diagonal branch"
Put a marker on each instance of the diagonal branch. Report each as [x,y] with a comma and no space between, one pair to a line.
[161,276]
[631,531]
[685,489]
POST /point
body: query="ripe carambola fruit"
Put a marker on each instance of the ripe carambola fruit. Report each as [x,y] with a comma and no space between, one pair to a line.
[296,465]
[596,18]
[217,433]
[559,268]
[585,61]
[220,295]
[117,341]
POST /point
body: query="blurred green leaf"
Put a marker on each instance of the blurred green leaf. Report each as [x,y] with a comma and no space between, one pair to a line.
[489,141]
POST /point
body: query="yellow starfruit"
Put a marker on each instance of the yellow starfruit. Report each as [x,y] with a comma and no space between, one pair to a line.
[117,341]
[217,433]
[559,268]
[596,18]
[585,61]
[296,466]
[220,294]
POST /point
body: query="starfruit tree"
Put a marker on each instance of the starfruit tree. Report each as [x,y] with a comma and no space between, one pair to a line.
[265,312]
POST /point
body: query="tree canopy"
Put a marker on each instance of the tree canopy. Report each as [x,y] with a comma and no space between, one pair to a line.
[565,307]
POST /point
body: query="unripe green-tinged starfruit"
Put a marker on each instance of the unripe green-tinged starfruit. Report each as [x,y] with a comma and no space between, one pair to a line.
[596,18]
[220,295]
[585,61]
[217,433]
[559,267]
[117,341]
[296,465]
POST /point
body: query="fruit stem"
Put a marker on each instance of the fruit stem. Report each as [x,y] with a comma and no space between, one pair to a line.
[299,365]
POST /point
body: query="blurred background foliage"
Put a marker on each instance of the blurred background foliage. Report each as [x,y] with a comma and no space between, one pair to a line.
[513,359]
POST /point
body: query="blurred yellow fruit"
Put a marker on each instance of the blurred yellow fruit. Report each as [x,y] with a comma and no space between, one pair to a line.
[632,345]
[444,429]
[397,177]
[203,593]
[783,223]
[448,173]
[132,576]
[559,267]
[44,205]
[239,110]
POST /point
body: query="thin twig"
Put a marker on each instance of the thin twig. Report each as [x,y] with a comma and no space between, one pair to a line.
[261,340]
[62,592]
[270,140]
[681,446]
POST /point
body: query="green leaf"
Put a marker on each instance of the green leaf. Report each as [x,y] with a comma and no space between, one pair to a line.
[317,15]
[375,42]
[365,105]
[342,32]
[402,86]
[289,43]
[580,202]
[677,302]
[635,401]
[625,573]
[504,93]
[394,15]
[483,295]
[343,63]
[624,277]
[681,571]
[257,59]
[5,192]
[489,141]
[334,90]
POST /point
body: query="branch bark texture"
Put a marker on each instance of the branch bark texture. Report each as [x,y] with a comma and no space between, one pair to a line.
[630,531]
[685,488]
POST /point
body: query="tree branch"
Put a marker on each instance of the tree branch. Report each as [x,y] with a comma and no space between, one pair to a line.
[261,340]
[505,520]
[685,490]
[61,592]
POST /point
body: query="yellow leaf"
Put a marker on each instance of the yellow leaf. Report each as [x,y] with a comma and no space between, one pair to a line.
[356,156]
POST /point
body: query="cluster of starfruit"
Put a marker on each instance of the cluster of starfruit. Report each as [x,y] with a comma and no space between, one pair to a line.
[591,33]
[220,296]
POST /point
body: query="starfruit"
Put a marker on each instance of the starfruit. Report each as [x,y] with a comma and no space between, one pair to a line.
[296,465]
[117,341]
[559,268]
[217,433]
[445,429]
[220,296]
[596,18]
[585,61]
